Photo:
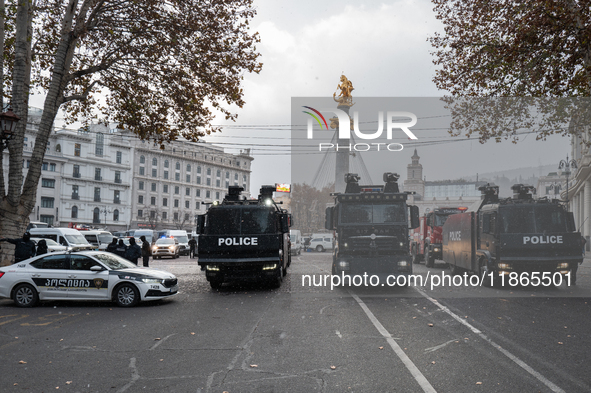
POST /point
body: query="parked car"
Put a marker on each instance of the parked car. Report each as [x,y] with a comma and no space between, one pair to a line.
[69,237]
[166,247]
[52,246]
[99,239]
[85,275]
[321,243]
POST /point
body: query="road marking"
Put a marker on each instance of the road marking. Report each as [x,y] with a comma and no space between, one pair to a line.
[514,358]
[416,373]
[435,348]
[338,334]
[161,341]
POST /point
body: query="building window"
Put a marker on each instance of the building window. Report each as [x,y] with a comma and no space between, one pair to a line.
[186,216]
[75,194]
[188,167]
[197,205]
[217,195]
[142,160]
[227,184]
[97,194]
[140,213]
[235,179]
[208,194]
[97,174]
[142,171]
[177,176]
[178,166]
[96,216]
[117,177]
[154,172]
[140,199]
[187,204]
[154,187]
[118,157]
[176,203]
[187,191]
[48,183]
[198,179]
[47,202]
[116,196]
[164,201]
[141,185]
[218,173]
[153,201]
[165,175]
[198,193]
[199,169]
[76,172]
[188,178]
[47,219]
[74,212]
[51,167]
[100,142]
[177,190]
[154,161]
[176,216]
[217,182]
[164,216]
[208,171]
[76,149]
[208,182]
[165,188]
[152,214]
[116,215]
[44,166]
[166,163]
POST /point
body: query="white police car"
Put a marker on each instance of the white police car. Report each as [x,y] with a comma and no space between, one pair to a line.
[87,275]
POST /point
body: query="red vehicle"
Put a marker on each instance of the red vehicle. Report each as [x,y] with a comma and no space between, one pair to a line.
[426,240]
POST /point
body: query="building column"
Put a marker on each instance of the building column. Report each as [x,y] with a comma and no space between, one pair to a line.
[587,209]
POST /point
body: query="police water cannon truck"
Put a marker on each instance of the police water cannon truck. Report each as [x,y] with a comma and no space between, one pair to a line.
[525,240]
[244,239]
[371,225]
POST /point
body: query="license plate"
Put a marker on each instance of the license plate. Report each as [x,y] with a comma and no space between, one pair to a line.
[174,289]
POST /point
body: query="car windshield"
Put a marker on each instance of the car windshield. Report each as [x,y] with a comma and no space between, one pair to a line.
[105,238]
[49,242]
[165,241]
[440,219]
[182,239]
[76,239]
[532,219]
[114,262]
[241,221]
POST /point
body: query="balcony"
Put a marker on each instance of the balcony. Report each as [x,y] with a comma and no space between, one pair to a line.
[118,180]
[98,178]
[97,198]
[75,196]
[117,201]
[76,174]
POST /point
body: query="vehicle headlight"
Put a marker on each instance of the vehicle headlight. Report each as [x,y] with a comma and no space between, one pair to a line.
[152,280]
[436,249]
[344,265]
[562,265]
[402,263]
[214,268]
[504,266]
[171,247]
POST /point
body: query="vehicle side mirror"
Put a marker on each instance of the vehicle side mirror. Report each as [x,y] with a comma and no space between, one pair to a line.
[96,268]
[570,222]
[284,223]
[200,223]
[414,217]
[328,220]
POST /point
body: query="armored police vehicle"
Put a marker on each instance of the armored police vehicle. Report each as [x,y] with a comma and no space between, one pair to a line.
[533,241]
[244,239]
[371,225]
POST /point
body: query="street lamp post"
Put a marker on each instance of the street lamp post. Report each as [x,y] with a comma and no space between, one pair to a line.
[8,122]
[564,167]
[105,211]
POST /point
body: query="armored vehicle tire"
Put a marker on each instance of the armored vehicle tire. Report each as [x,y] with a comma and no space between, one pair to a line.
[25,296]
[127,295]
[277,280]
[414,255]
[429,260]
[216,283]
[319,248]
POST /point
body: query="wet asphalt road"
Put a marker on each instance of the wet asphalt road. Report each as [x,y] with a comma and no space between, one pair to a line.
[305,338]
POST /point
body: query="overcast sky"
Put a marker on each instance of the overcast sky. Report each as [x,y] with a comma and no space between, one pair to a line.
[382,48]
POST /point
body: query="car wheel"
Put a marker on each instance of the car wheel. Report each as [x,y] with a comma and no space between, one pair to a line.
[216,283]
[319,248]
[25,296]
[127,295]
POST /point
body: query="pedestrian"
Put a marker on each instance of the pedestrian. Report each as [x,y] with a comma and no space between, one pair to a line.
[121,248]
[146,251]
[112,246]
[24,247]
[133,251]
[192,246]
[41,247]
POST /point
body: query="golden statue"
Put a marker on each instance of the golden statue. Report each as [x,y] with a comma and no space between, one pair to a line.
[346,88]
